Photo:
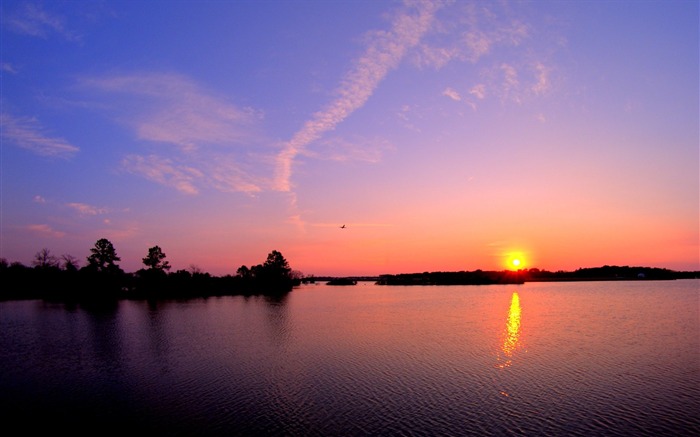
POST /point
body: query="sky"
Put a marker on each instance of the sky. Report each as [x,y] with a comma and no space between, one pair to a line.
[444,135]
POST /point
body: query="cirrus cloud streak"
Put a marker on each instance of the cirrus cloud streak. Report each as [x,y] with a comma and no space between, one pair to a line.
[28,134]
[384,52]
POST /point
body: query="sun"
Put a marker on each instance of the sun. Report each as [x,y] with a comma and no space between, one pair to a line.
[515,261]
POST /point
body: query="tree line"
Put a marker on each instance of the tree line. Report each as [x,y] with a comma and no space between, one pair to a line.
[608,273]
[61,278]
[479,277]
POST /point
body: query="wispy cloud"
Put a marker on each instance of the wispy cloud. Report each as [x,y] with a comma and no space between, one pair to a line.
[480,32]
[477,44]
[510,80]
[487,34]
[478,91]
[451,93]
[436,57]
[210,134]
[384,52]
[6,67]
[45,230]
[117,233]
[405,114]
[218,172]
[515,81]
[27,133]
[542,84]
[164,171]
[170,108]
[297,221]
[86,209]
[224,174]
[33,20]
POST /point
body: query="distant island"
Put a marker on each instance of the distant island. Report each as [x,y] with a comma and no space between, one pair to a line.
[62,279]
[342,281]
[482,277]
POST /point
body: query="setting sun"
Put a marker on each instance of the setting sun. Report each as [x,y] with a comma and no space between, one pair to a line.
[515,260]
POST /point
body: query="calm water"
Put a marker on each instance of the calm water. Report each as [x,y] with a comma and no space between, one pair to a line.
[592,358]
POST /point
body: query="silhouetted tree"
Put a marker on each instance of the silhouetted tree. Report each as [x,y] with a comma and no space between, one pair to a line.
[103,257]
[244,272]
[44,259]
[153,281]
[296,276]
[70,263]
[46,276]
[273,276]
[154,259]
[102,278]
[276,264]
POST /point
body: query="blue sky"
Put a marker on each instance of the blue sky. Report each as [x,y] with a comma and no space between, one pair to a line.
[446,135]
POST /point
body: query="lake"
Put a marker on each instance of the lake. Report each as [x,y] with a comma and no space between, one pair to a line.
[579,358]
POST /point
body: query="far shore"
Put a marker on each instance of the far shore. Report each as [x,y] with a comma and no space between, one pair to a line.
[54,284]
[479,277]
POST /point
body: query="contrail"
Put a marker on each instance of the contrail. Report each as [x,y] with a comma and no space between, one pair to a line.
[383,54]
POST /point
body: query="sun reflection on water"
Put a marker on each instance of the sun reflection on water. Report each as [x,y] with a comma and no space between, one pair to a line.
[512,331]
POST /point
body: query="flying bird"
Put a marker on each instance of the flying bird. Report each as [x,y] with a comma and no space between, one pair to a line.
[342,227]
